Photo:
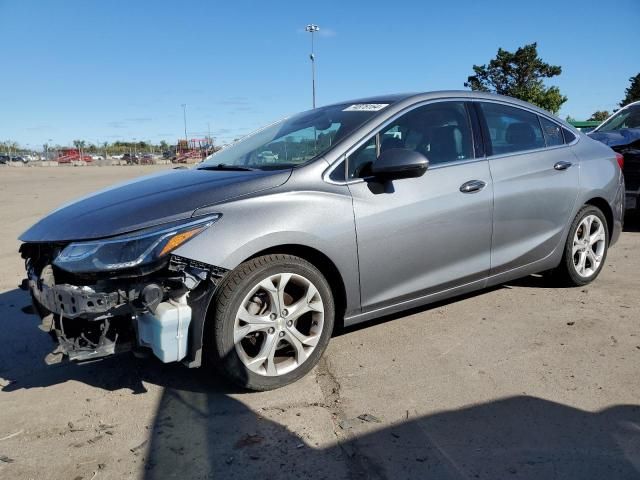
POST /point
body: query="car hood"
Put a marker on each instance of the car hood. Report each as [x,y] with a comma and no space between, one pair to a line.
[617,138]
[148,201]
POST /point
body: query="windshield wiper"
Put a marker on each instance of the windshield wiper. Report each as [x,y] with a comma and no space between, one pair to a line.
[224,166]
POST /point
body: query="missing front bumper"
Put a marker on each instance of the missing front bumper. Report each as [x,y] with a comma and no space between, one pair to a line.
[151,313]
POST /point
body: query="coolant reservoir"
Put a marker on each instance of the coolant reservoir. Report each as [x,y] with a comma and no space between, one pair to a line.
[166,330]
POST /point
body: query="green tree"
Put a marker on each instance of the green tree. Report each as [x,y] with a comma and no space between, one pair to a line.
[632,94]
[519,74]
[599,115]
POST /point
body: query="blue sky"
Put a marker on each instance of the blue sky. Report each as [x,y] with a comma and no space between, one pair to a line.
[109,70]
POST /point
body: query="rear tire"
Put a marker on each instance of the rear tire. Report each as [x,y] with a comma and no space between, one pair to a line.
[274,317]
[586,249]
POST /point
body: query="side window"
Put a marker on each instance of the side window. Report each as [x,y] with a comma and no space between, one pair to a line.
[512,129]
[552,132]
[440,131]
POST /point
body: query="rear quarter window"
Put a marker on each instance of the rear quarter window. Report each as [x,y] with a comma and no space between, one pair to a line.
[568,136]
[552,132]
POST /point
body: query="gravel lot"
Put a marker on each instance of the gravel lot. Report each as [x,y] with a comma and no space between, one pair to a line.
[521,381]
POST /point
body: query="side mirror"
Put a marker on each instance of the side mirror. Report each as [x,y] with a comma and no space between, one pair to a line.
[397,163]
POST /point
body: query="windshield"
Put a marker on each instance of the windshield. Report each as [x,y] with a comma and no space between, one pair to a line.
[625,118]
[295,140]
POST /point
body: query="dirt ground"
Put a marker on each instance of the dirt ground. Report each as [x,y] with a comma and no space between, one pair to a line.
[520,381]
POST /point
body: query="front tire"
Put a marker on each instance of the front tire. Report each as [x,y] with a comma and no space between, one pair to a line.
[586,248]
[274,316]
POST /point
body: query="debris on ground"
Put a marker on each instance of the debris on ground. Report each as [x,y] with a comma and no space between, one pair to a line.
[137,449]
[367,417]
[348,423]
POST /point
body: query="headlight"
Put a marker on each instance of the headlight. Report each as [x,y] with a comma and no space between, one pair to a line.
[130,250]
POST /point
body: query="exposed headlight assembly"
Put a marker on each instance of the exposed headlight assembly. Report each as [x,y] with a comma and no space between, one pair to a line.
[130,250]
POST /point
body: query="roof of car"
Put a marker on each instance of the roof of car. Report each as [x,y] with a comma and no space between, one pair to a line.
[414,97]
[418,96]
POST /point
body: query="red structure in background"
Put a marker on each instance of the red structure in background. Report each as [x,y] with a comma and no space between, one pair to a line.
[193,150]
[68,155]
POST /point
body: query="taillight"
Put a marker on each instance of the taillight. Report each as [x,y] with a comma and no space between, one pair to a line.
[620,159]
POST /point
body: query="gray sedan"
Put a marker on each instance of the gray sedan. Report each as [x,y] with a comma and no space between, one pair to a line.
[248,261]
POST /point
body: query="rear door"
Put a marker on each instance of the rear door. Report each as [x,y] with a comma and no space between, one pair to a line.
[535,183]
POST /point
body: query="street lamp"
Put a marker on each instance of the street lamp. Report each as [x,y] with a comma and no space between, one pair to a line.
[312,28]
[184,115]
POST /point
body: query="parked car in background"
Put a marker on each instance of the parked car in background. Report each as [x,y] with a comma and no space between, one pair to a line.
[147,159]
[131,158]
[4,159]
[371,207]
[621,132]
[19,159]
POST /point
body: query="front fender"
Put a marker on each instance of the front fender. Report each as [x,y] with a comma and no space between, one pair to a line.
[321,220]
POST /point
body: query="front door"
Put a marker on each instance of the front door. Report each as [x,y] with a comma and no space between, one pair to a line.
[418,236]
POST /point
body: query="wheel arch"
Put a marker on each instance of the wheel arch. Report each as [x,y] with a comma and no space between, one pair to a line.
[605,208]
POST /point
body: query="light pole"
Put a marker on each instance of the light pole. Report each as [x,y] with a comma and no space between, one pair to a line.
[184,115]
[312,28]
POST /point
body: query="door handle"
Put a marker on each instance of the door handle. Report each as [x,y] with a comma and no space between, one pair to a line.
[562,165]
[472,186]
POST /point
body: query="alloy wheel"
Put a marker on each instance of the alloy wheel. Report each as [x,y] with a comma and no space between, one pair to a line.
[278,324]
[589,244]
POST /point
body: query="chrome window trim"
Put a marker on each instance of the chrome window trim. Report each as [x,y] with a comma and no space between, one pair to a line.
[374,131]
[377,129]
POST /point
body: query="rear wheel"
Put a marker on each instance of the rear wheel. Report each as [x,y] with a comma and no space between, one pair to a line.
[274,317]
[586,248]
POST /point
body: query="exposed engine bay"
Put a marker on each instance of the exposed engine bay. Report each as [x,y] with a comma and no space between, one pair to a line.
[160,308]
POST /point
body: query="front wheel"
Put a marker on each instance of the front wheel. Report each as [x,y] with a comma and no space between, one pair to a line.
[273,320]
[586,248]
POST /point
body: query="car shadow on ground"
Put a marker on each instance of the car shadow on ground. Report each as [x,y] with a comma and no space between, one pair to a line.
[201,431]
[204,435]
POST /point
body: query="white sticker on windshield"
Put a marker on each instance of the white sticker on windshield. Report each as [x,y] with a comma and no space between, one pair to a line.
[365,107]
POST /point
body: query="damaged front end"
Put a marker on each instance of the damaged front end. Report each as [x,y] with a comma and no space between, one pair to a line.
[149,298]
